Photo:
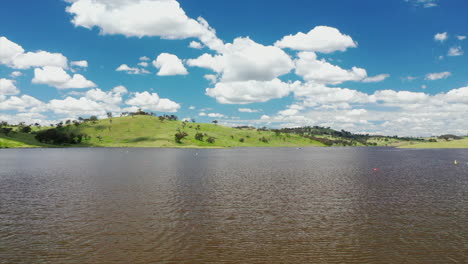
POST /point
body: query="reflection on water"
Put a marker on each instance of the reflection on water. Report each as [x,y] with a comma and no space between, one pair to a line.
[282,205]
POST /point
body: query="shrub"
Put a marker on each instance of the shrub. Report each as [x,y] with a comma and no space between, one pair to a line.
[263,139]
[241,140]
[211,140]
[57,137]
[199,136]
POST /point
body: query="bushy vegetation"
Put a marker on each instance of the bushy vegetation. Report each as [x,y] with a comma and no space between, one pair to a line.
[56,136]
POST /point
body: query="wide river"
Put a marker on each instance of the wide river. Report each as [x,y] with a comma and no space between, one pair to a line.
[252,205]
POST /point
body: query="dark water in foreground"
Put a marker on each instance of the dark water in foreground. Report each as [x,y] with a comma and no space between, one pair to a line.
[281,205]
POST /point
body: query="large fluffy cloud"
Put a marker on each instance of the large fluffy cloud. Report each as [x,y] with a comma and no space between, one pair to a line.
[8,87]
[245,92]
[14,56]
[320,71]
[57,77]
[320,39]
[169,64]
[152,102]
[24,103]
[139,18]
[246,60]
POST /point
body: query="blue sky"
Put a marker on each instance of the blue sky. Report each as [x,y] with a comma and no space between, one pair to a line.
[387,67]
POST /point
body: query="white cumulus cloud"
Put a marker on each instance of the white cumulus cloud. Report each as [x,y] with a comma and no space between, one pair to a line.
[169,65]
[437,75]
[152,102]
[131,70]
[320,39]
[8,87]
[246,92]
[57,77]
[246,60]
[455,51]
[82,63]
[321,71]
[139,18]
[441,37]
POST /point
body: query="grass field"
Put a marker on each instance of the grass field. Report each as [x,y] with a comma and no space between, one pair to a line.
[462,143]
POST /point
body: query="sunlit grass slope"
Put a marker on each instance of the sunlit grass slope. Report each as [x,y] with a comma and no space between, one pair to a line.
[149,131]
[20,140]
[462,143]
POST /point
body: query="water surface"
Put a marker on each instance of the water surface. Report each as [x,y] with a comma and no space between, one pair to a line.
[255,205]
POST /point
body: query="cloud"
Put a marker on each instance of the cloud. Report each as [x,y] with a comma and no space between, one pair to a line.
[213,115]
[14,56]
[24,103]
[320,39]
[169,65]
[195,45]
[400,97]
[143,64]
[385,112]
[152,102]
[16,74]
[460,37]
[211,78]
[57,77]
[455,51]
[246,92]
[140,18]
[144,58]
[423,3]
[437,75]
[8,87]
[131,70]
[248,110]
[320,71]
[377,78]
[441,37]
[82,63]
[77,107]
[246,60]
[315,95]
[120,89]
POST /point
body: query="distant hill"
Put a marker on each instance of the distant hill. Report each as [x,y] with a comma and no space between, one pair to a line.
[151,131]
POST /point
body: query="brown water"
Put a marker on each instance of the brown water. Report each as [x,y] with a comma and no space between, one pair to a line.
[281,205]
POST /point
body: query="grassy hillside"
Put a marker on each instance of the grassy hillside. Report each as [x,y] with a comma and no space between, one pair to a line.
[462,143]
[149,131]
[20,140]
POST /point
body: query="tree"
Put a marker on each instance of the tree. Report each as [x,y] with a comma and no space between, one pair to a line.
[214,122]
[25,129]
[93,119]
[6,130]
[179,136]
[109,114]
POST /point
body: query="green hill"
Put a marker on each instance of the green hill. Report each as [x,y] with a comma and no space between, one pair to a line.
[149,131]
